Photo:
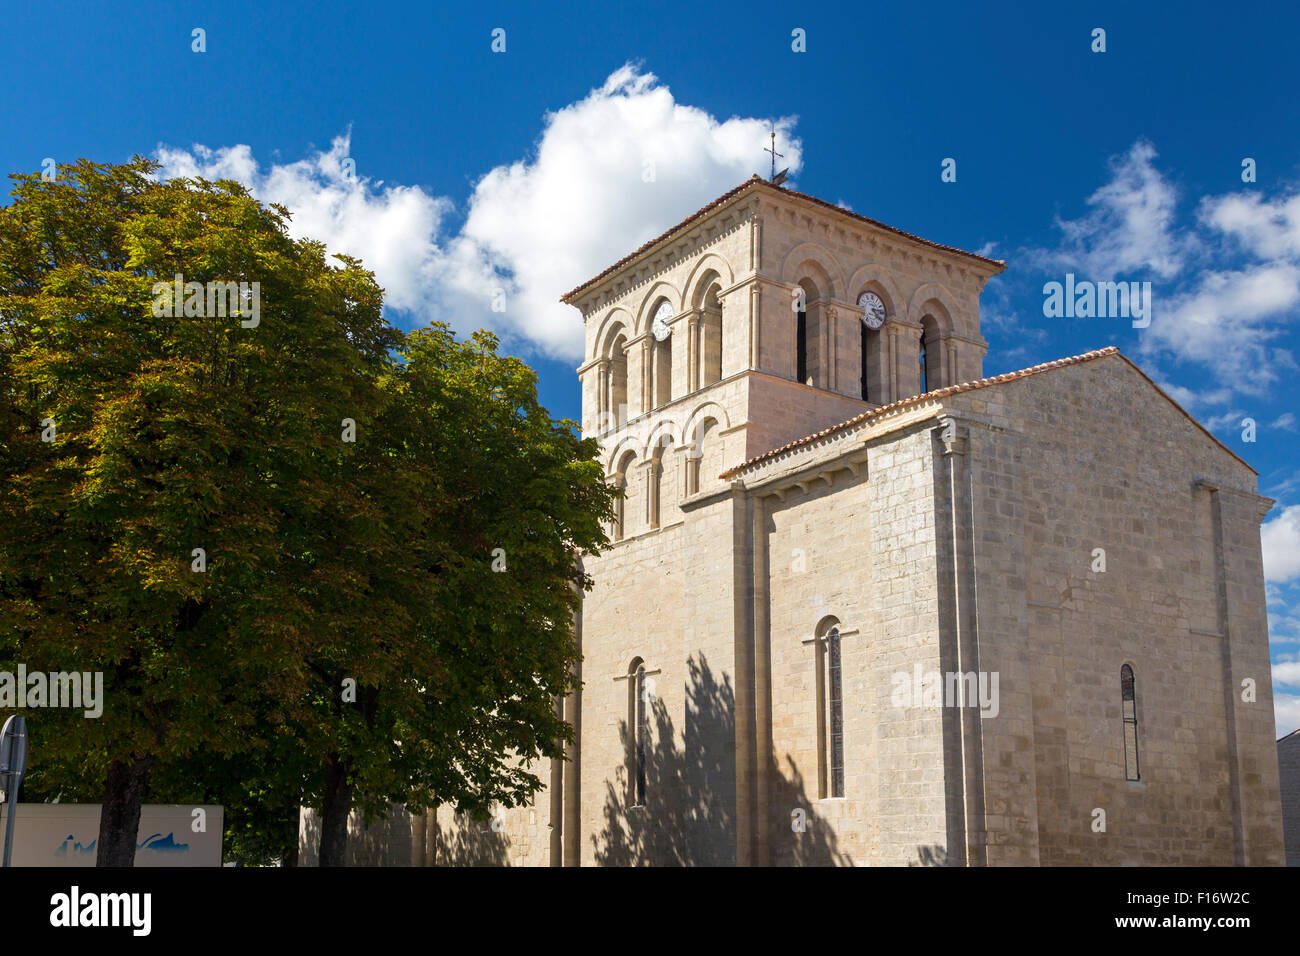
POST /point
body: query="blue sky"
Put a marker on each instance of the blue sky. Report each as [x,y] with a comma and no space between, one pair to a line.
[524,169]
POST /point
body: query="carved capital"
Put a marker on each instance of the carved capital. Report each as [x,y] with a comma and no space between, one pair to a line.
[953,436]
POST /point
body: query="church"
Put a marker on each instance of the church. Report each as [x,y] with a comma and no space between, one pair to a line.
[865,606]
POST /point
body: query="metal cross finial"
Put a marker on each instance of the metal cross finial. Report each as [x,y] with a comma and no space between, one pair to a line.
[774,153]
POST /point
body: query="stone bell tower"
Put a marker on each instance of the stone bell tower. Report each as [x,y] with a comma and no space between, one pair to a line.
[763,317]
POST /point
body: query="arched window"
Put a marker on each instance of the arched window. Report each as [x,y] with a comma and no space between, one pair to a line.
[830,710]
[801,346]
[1128,700]
[834,714]
[640,697]
[625,506]
[925,384]
[710,341]
[812,336]
[931,354]
[615,386]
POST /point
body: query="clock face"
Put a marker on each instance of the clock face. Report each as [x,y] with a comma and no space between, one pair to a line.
[660,327]
[873,310]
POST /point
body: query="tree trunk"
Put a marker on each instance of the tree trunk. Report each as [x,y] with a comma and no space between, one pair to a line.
[119,816]
[334,815]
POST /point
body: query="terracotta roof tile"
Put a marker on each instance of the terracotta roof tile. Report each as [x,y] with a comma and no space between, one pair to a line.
[917,399]
[756,180]
[970,387]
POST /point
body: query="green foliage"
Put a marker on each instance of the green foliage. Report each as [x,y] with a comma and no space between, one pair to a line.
[326,559]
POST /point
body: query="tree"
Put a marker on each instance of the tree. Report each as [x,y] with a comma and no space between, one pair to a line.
[186,510]
[500,497]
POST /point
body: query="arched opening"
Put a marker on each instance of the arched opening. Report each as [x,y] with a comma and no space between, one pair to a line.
[830,710]
[925,366]
[615,385]
[1128,702]
[626,506]
[710,337]
[639,699]
[931,357]
[873,372]
[661,356]
[807,333]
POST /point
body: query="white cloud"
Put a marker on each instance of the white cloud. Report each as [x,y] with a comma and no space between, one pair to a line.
[1286,421]
[393,228]
[1129,227]
[608,173]
[1287,673]
[1269,230]
[1199,399]
[1228,321]
[1226,284]
[1228,420]
[1286,713]
[1280,539]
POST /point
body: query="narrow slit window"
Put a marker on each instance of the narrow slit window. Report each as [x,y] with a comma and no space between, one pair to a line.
[801,348]
[866,393]
[642,735]
[835,713]
[925,384]
[1128,696]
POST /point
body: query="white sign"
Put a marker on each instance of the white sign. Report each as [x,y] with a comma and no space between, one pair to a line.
[66,834]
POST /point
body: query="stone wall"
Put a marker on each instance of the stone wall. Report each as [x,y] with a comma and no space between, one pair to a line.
[1091,457]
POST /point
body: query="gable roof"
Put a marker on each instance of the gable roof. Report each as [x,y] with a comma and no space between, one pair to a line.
[970,387]
[754,182]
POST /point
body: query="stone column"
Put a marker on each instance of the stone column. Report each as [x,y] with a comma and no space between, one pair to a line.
[647,375]
[694,350]
[604,394]
[763,755]
[963,647]
[891,377]
[830,329]
[1243,626]
[650,470]
[755,325]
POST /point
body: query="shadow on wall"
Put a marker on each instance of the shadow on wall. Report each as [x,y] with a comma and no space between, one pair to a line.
[471,843]
[931,856]
[689,816]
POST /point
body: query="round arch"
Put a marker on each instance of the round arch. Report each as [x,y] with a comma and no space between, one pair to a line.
[696,285]
[707,410]
[618,320]
[825,270]
[882,281]
[656,445]
[629,444]
[660,290]
[933,292]
[825,624]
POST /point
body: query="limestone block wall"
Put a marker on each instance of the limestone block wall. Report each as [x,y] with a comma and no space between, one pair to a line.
[778,411]
[905,602]
[665,597]
[1288,759]
[515,836]
[1091,457]
[818,543]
